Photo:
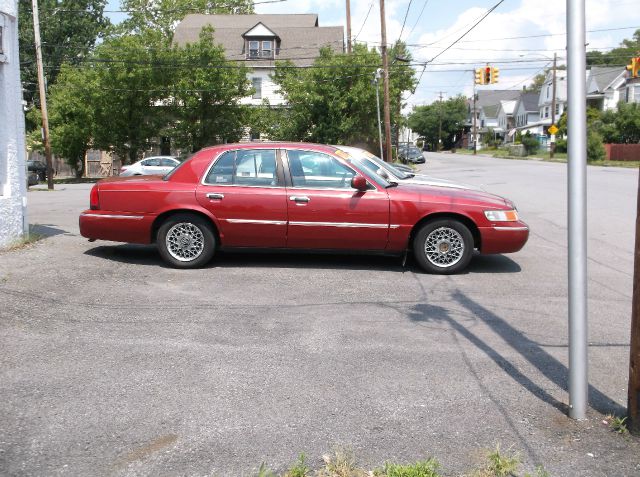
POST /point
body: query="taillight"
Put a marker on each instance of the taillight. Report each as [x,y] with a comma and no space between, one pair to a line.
[122,169]
[94,198]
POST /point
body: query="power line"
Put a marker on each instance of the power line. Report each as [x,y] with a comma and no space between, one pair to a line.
[195,9]
[419,16]
[405,20]
[466,32]
[365,21]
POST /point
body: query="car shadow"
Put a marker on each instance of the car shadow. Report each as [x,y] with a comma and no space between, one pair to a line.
[148,255]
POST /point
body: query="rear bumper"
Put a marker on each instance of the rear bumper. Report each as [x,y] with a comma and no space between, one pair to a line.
[504,238]
[99,225]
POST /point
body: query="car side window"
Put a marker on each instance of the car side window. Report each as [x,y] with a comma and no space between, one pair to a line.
[151,162]
[168,163]
[316,170]
[248,167]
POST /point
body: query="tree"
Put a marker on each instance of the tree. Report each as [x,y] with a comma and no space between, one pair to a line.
[536,84]
[449,115]
[335,101]
[205,95]
[162,16]
[72,115]
[618,56]
[622,125]
[69,30]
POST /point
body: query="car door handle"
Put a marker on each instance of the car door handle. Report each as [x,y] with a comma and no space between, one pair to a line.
[215,196]
[299,199]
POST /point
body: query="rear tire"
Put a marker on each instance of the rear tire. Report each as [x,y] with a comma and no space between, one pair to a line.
[186,241]
[443,246]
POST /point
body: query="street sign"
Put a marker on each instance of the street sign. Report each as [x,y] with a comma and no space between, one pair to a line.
[553,129]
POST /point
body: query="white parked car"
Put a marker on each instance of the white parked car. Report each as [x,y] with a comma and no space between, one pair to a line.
[150,166]
[395,174]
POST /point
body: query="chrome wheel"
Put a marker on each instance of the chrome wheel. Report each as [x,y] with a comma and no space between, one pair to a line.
[185,242]
[444,247]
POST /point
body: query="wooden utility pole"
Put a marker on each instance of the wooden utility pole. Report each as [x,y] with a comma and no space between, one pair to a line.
[552,147]
[475,132]
[633,403]
[43,98]
[385,72]
[348,26]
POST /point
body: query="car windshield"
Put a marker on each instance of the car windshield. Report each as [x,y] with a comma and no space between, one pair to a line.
[370,171]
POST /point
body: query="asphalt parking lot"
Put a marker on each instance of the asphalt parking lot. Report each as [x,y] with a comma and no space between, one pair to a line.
[114,364]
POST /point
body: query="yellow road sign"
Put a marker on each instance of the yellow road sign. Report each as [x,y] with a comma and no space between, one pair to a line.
[553,129]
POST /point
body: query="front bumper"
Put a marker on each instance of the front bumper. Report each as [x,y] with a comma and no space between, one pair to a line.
[507,237]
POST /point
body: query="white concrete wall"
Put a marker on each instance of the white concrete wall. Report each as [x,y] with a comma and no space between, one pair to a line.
[13,198]
[268,88]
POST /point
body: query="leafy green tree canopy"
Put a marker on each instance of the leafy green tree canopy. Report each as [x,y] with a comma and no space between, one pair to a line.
[449,115]
[628,49]
[69,30]
[335,102]
[163,15]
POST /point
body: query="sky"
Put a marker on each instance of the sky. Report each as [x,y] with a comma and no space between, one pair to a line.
[433,25]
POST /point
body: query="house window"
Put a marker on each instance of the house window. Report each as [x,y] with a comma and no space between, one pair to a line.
[546,111]
[626,94]
[261,49]
[557,108]
[548,88]
[257,86]
[254,49]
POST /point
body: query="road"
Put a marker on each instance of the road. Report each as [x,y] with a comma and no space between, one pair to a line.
[113,364]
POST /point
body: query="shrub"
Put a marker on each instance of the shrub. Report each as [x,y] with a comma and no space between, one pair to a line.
[530,143]
[561,145]
[595,149]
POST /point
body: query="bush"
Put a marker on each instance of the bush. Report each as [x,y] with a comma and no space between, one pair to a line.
[595,149]
[561,145]
[530,143]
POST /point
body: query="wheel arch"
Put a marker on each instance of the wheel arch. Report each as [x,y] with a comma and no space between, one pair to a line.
[470,224]
[158,221]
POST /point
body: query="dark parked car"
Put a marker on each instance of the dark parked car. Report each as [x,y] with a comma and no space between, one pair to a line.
[411,154]
[297,196]
[39,168]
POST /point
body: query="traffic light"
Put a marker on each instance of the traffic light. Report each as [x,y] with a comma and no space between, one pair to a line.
[479,76]
[487,75]
[495,74]
[634,67]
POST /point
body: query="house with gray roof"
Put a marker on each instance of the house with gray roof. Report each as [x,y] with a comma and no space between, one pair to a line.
[606,87]
[258,41]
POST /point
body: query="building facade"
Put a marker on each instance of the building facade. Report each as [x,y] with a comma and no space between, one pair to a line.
[13,193]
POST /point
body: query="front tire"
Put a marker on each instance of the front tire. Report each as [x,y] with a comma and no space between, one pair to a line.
[186,241]
[443,246]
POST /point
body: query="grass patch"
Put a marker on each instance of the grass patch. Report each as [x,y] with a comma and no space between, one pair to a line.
[342,463]
[617,424]
[24,242]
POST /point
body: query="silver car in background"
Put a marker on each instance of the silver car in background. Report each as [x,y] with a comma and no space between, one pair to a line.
[395,174]
[150,166]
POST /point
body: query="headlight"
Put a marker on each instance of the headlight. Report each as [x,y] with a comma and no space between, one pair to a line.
[501,215]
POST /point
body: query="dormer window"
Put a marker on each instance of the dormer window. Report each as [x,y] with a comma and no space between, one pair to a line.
[260,49]
[261,43]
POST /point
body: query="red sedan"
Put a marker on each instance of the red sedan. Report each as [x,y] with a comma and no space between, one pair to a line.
[297,196]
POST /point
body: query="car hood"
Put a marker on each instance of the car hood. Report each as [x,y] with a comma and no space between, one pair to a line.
[434,181]
[441,194]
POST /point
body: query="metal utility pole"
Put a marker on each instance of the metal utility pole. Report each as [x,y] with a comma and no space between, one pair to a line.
[552,147]
[43,98]
[439,120]
[385,70]
[633,402]
[577,178]
[348,26]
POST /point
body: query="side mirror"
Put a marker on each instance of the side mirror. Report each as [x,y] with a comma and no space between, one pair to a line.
[382,173]
[359,183]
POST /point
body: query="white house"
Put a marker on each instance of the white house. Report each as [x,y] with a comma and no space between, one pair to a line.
[13,195]
[259,41]
[506,122]
[545,99]
[606,87]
